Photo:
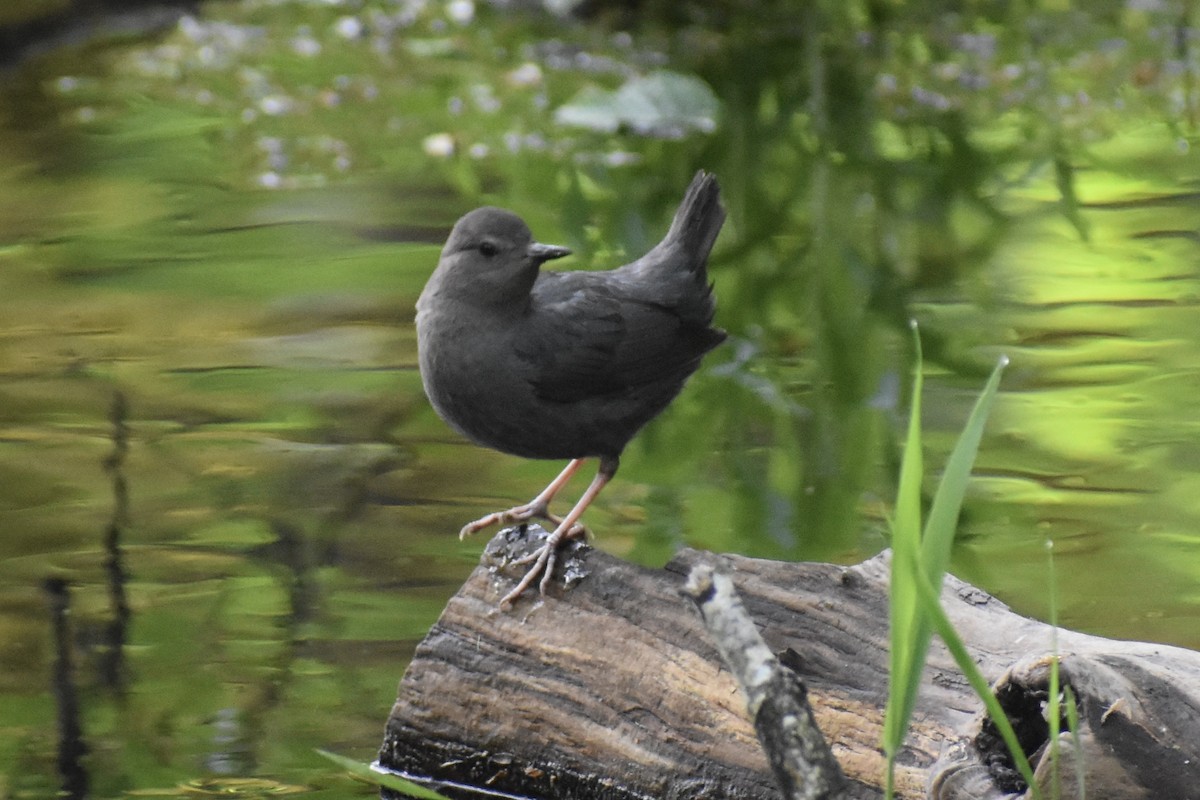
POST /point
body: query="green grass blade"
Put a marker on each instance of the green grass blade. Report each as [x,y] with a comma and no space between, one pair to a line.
[364,771]
[947,502]
[1077,740]
[1054,718]
[931,605]
[906,527]
[910,623]
[938,538]
[1054,706]
[906,538]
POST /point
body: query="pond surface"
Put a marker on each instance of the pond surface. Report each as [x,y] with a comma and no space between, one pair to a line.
[213,441]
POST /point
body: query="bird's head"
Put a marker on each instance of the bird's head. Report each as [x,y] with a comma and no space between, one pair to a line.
[491,258]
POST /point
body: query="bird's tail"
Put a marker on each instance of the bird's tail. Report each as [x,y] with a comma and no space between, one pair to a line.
[697,222]
[675,273]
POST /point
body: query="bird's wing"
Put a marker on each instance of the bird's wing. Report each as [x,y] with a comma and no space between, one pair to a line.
[586,335]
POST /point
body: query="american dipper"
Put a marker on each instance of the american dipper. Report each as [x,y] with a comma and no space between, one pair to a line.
[563,365]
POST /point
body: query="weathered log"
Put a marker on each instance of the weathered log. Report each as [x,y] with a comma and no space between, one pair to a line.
[611,689]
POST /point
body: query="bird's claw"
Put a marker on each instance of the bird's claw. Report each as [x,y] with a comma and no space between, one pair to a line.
[544,560]
[484,522]
[518,515]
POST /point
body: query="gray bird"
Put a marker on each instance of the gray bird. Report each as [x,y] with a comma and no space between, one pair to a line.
[563,365]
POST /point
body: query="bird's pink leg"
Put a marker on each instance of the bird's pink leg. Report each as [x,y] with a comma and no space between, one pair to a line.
[537,508]
[545,556]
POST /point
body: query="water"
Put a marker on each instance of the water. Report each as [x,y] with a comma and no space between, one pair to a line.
[212,435]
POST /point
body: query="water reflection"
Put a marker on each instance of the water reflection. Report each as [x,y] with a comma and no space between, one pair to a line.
[1086,445]
[72,748]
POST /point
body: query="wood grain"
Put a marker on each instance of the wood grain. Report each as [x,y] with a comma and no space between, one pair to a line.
[611,689]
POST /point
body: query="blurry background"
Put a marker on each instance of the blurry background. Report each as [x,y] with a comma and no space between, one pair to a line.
[215,220]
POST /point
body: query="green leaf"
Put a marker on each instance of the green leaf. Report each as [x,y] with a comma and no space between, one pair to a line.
[592,108]
[663,104]
[947,501]
[931,607]
[907,524]
[1054,707]
[906,529]
[910,621]
[1077,740]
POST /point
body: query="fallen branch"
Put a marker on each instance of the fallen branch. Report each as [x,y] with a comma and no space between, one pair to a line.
[776,698]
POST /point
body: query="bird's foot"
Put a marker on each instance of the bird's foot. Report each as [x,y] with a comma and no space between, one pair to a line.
[518,515]
[544,559]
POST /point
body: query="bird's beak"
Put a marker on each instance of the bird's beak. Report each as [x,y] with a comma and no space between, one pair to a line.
[546,252]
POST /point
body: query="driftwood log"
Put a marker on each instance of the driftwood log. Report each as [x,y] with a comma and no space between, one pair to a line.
[610,688]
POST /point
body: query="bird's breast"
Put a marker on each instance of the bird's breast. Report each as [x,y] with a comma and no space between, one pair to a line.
[473,377]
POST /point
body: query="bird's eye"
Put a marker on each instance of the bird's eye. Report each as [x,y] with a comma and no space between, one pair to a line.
[488,249]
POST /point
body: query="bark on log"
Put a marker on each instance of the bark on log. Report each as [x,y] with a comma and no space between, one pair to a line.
[611,689]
